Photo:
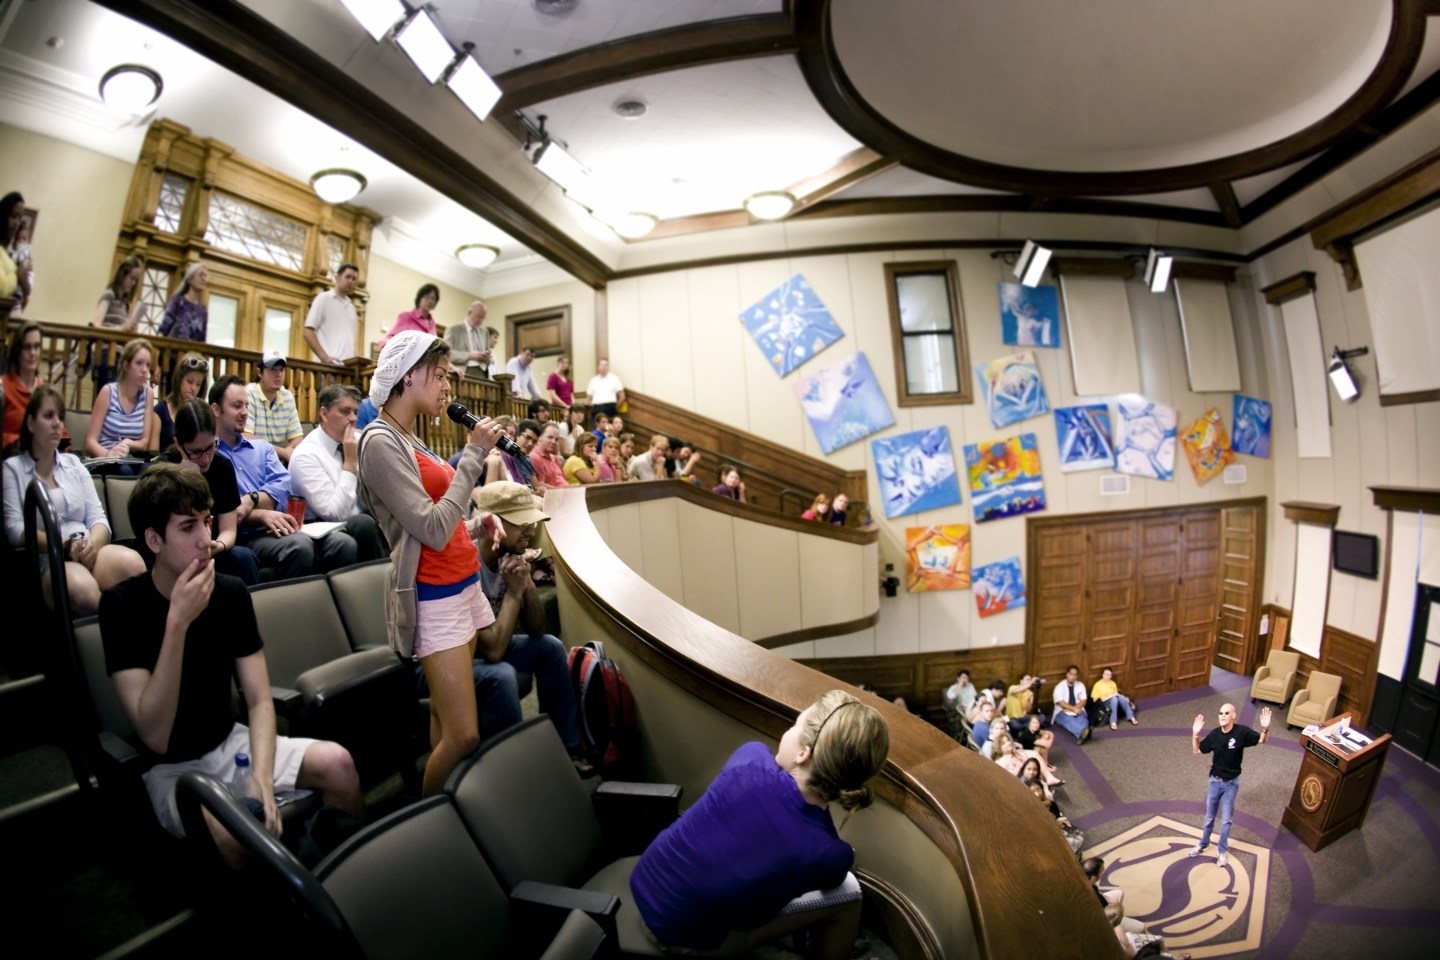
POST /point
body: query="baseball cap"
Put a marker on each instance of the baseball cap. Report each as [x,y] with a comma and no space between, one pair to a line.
[512,501]
[271,357]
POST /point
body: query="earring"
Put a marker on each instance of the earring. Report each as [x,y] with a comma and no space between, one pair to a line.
[409,384]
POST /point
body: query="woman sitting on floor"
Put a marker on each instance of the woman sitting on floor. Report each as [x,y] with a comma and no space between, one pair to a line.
[1073,837]
[1031,737]
[1105,691]
[1030,773]
[991,749]
[1007,756]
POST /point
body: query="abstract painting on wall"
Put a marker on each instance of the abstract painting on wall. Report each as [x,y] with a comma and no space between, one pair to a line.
[1251,424]
[1004,477]
[790,325]
[1084,436]
[1029,316]
[1207,446]
[1011,389]
[998,587]
[1145,438]
[916,471]
[843,402]
[937,558]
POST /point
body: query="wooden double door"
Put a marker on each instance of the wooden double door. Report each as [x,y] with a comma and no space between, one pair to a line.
[1155,595]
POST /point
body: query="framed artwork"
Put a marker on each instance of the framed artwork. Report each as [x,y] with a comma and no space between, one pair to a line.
[844,403]
[1207,446]
[1004,477]
[1084,436]
[1011,389]
[1029,316]
[998,587]
[916,472]
[1251,423]
[937,558]
[1145,438]
[790,325]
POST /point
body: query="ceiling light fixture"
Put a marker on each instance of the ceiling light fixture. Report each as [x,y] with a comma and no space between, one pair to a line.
[555,8]
[337,185]
[634,224]
[425,45]
[1030,265]
[559,165]
[477,255]
[1340,374]
[770,204]
[1157,270]
[469,81]
[378,17]
[631,108]
[130,87]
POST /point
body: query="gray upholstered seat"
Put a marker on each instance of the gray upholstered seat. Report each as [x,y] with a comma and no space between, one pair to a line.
[117,507]
[359,593]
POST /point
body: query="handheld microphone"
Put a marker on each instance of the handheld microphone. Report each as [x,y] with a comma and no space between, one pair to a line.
[458,413]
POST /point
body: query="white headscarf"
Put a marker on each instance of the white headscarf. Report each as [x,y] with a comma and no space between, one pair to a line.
[400,354]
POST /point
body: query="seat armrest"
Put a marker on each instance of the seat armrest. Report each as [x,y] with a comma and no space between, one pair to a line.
[548,905]
[579,938]
[631,815]
[367,647]
[118,749]
[1301,696]
[1262,673]
[287,702]
[331,679]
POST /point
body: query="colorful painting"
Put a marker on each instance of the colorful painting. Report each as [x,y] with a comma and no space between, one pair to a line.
[937,558]
[790,325]
[1252,427]
[1084,436]
[844,403]
[1004,477]
[916,471]
[1029,316]
[1011,389]
[1207,446]
[1145,438]
[998,587]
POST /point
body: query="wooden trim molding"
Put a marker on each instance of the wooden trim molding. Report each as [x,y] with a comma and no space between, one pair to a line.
[903,926]
[1424,499]
[1093,267]
[1189,270]
[1401,399]
[964,391]
[1293,286]
[1302,511]
[819,633]
[1400,192]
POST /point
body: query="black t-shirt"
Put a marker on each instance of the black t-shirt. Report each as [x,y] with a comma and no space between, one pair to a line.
[224,490]
[1024,737]
[132,625]
[1228,748]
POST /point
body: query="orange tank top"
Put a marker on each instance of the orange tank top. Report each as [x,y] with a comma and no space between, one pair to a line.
[458,561]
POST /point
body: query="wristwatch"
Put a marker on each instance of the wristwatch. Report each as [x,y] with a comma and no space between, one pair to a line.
[254,496]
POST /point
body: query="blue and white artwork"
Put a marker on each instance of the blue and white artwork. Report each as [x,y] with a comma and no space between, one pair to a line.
[1250,433]
[790,325]
[1011,389]
[1145,438]
[1084,436]
[1029,316]
[843,402]
[916,471]
[998,586]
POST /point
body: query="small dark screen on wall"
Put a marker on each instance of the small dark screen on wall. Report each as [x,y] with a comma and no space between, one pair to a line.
[1357,553]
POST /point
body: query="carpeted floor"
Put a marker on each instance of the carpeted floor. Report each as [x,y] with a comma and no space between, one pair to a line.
[1138,793]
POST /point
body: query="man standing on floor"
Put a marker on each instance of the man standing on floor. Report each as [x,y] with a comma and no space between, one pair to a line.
[1228,742]
[330,324]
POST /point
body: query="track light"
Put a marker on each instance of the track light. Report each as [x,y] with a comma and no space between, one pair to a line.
[1340,374]
[1157,270]
[770,204]
[1030,266]
[130,88]
[477,255]
[469,81]
[337,185]
[425,45]
[378,17]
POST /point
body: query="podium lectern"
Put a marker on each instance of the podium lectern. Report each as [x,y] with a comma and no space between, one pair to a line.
[1337,781]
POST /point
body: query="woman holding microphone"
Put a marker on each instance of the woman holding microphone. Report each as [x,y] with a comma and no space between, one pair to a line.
[434,606]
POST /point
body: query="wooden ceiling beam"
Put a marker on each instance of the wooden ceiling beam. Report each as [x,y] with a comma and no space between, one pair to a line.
[855,167]
[1229,205]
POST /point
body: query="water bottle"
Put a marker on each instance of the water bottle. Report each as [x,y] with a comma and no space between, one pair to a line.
[242,785]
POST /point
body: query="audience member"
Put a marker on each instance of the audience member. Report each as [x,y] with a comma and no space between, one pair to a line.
[627,446]
[1020,700]
[980,729]
[92,562]
[419,319]
[837,509]
[1038,741]
[186,318]
[324,471]
[368,413]
[496,467]
[549,469]
[539,411]
[1073,837]
[581,467]
[572,427]
[819,509]
[1094,868]
[21,380]
[472,344]
[685,461]
[118,309]
[601,423]
[1070,706]
[123,421]
[605,392]
[190,380]
[330,324]
[1007,756]
[1105,691]
[730,484]
[174,640]
[195,446]
[274,417]
[1115,916]
[558,386]
[957,700]
[617,426]
[762,835]
[650,465]
[611,467]
[17,249]
[991,748]
[993,694]
[519,367]
[1030,773]
[517,469]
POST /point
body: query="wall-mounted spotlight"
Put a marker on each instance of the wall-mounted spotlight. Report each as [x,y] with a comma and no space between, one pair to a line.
[130,88]
[337,185]
[425,45]
[469,81]
[1340,374]
[1030,266]
[1157,270]
[477,255]
[378,17]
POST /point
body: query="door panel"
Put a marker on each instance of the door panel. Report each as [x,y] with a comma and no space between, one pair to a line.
[1199,601]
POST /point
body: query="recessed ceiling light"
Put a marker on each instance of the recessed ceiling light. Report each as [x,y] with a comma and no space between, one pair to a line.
[634,224]
[477,255]
[631,108]
[337,185]
[378,17]
[425,45]
[130,88]
[473,86]
[770,204]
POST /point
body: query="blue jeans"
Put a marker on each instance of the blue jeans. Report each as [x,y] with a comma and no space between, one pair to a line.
[1220,796]
[239,562]
[1075,723]
[1120,704]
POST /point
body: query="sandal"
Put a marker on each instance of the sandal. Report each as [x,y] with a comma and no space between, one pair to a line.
[1114,727]
[1134,721]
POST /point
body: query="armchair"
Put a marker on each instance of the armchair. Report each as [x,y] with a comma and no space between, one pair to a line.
[1276,679]
[1316,703]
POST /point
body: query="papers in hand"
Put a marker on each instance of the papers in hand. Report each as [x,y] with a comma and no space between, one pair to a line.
[318,528]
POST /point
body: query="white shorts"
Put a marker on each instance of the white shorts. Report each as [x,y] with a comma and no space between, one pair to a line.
[220,764]
[451,621]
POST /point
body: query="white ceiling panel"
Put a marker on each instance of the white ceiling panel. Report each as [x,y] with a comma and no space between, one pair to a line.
[1247,190]
[904,182]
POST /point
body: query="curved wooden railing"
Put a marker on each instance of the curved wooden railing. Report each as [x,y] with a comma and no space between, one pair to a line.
[957,857]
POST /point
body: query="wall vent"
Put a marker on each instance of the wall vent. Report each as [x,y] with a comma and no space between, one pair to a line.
[1114,485]
[1235,474]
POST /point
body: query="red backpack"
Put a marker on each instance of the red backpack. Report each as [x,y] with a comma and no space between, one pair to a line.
[605,707]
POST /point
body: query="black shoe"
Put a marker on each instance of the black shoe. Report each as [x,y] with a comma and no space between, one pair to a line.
[1084,735]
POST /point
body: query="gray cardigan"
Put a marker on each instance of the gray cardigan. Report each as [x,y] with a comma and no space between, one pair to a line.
[391,490]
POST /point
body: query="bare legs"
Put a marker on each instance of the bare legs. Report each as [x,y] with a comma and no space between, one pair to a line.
[112,566]
[454,726]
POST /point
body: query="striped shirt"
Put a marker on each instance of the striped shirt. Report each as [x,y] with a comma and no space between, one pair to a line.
[276,422]
[118,424]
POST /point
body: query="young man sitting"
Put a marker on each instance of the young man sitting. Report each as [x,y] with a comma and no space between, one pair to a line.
[174,637]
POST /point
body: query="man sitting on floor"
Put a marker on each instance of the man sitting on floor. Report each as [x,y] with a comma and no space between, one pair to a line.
[1070,706]
[174,638]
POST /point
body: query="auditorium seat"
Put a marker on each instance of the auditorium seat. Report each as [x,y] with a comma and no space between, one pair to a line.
[117,508]
[1275,680]
[1315,703]
[359,593]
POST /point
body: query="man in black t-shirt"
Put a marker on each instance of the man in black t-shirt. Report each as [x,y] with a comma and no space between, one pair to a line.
[173,639]
[1227,742]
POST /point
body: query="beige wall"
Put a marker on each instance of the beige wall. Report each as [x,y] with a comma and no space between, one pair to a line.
[581,301]
[392,289]
[81,197]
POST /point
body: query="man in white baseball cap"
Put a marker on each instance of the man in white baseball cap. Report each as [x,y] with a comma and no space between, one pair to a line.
[273,414]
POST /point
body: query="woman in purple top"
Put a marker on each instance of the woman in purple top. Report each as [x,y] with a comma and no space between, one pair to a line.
[730,485]
[559,384]
[426,299]
[762,835]
[186,318]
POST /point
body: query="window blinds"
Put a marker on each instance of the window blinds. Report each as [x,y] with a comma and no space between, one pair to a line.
[1102,338]
[1307,376]
[1209,336]
[1402,292]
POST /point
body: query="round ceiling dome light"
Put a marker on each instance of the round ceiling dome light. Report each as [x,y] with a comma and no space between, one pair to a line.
[631,108]
[555,8]
[635,224]
[337,185]
[770,204]
[477,255]
[130,87]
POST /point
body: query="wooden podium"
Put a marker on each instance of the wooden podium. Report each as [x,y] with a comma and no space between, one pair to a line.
[1337,781]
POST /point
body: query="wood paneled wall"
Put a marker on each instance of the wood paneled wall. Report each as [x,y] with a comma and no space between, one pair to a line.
[921,678]
[1350,657]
